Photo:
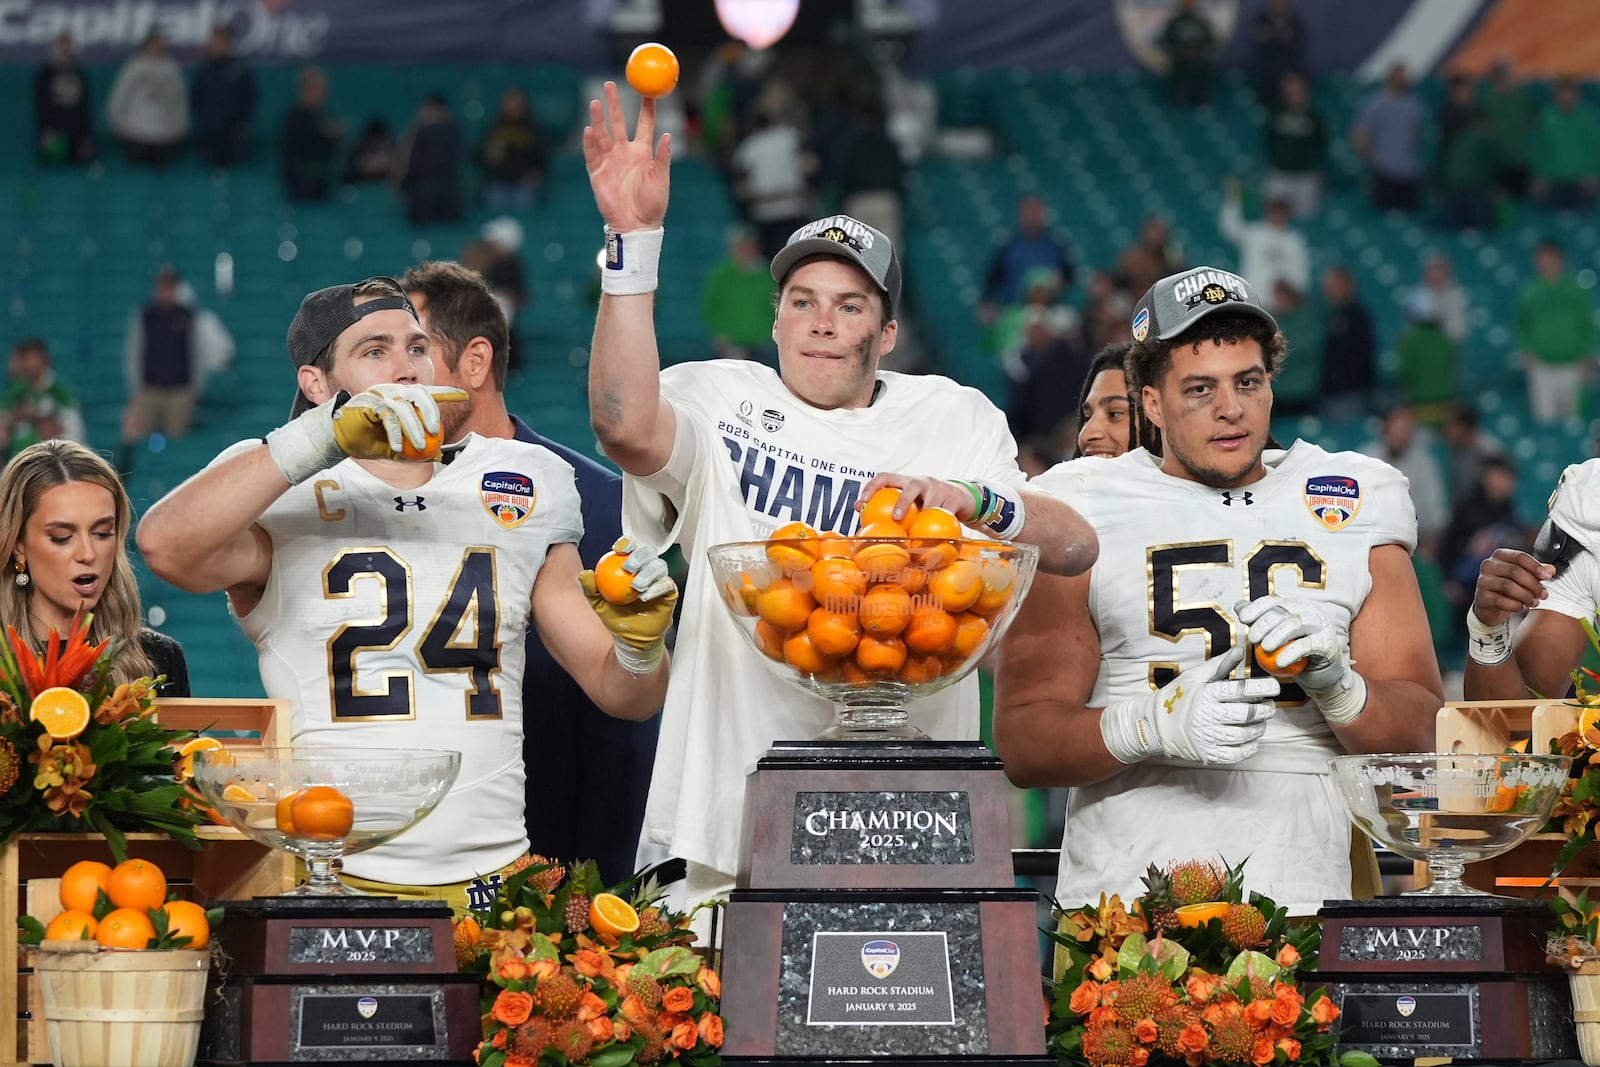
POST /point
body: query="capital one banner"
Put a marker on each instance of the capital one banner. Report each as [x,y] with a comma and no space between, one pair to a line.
[295,31]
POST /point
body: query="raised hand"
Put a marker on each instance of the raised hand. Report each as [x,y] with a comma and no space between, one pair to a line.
[1509,583]
[381,422]
[630,178]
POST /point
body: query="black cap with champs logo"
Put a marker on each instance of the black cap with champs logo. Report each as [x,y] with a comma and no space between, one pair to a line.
[848,238]
[323,316]
[1178,301]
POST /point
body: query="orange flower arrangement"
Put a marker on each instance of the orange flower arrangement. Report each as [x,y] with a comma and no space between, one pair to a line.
[1194,974]
[563,991]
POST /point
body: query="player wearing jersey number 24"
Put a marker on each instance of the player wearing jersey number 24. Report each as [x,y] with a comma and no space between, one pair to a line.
[1173,741]
[389,599]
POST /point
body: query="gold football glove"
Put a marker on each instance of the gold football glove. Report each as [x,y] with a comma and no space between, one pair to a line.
[638,627]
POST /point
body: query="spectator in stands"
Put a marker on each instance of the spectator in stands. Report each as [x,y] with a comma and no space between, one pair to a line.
[1555,336]
[1427,360]
[1277,48]
[1513,117]
[1106,312]
[161,360]
[428,164]
[1349,348]
[148,109]
[1190,46]
[512,154]
[1045,379]
[1297,385]
[1030,245]
[1469,449]
[1409,448]
[1566,152]
[1468,176]
[497,256]
[1387,135]
[372,157]
[771,170]
[1481,521]
[223,99]
[37,406]
[1448,298]
[1457,112]
[869,180]
[1296,149]
[1271,250]
[1041,304]
[736,300]
[310,139]
[1149,259]
[62,127]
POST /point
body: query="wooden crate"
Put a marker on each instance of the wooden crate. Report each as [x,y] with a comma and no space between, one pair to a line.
[231,866]
[1489,726]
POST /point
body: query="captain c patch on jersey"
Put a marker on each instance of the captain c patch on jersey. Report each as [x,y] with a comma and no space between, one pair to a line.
[1334,499]
[509,496]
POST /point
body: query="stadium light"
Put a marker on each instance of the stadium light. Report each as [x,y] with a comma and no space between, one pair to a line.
[758,23]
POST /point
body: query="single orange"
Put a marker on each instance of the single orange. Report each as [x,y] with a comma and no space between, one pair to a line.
[971,631]
[957,586]
[800,653]
[793,546]
[1193,915]
[769,640]
[185,918]
[1505,797]
[834,633]
[850,672]
[880,655]
[880,508]
[652,70]
[934,533]
[885,610]
[740,594]
[137,884]
[185,768]
[931,631]
[63,712]
[432,442]
[613,580]
[999,582]
[283,812]
[82,883]
[322,813]
[71,925]
[611,916]
[785,606]
[125,928]
[921,669]
[1269,663]
[913,578]
[834,545]
[882,560]
[837,583]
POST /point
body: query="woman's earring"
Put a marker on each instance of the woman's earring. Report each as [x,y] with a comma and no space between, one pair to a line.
[22,578]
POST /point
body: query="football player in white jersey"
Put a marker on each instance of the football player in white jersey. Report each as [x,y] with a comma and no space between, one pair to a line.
[388,587]
[726,450]
[1558,585]
[1141,697]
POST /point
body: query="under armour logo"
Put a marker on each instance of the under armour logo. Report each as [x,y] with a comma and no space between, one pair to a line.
[1244,498]
[401,503]
[1172,701]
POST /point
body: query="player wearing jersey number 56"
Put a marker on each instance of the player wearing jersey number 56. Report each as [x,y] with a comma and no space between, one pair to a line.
[389,599]
[1175,743]
[722,450]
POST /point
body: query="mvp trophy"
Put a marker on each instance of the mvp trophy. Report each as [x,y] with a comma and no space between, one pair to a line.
[876,913]
[325,972]
[1446,971]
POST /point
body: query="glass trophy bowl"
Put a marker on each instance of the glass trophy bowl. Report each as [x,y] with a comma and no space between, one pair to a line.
[1450,809]
[363,797]
[872,623]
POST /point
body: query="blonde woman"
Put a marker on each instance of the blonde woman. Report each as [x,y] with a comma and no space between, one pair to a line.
[64,519]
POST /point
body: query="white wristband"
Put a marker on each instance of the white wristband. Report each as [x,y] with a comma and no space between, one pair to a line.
[632,262]
[1345,702]
[1487,645]
[306,446]
[639,662]
[1127,731]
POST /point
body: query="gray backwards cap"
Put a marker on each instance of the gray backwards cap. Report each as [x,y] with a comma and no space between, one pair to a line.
[327,313]
[847,238]
[1178,301]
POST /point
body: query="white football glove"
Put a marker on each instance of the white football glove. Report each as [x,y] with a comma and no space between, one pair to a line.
[1294,630]
[1202,716]
[375,424]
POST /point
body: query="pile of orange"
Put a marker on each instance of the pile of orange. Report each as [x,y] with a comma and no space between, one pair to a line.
[116,907]
[903,599]
[319,812]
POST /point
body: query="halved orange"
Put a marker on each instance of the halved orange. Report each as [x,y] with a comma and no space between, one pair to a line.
[283,811]
[63,712]
[1589,726]
[1195,915]
[186,755]
[611,916]
[238,794]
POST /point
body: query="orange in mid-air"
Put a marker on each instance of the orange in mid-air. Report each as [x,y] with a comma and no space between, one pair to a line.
[652,70]
[1269,663]
[613,580]
[322,812]
[137,884]
[125,928]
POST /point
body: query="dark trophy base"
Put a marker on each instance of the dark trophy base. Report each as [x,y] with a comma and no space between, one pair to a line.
[1458,977]
[307,979]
